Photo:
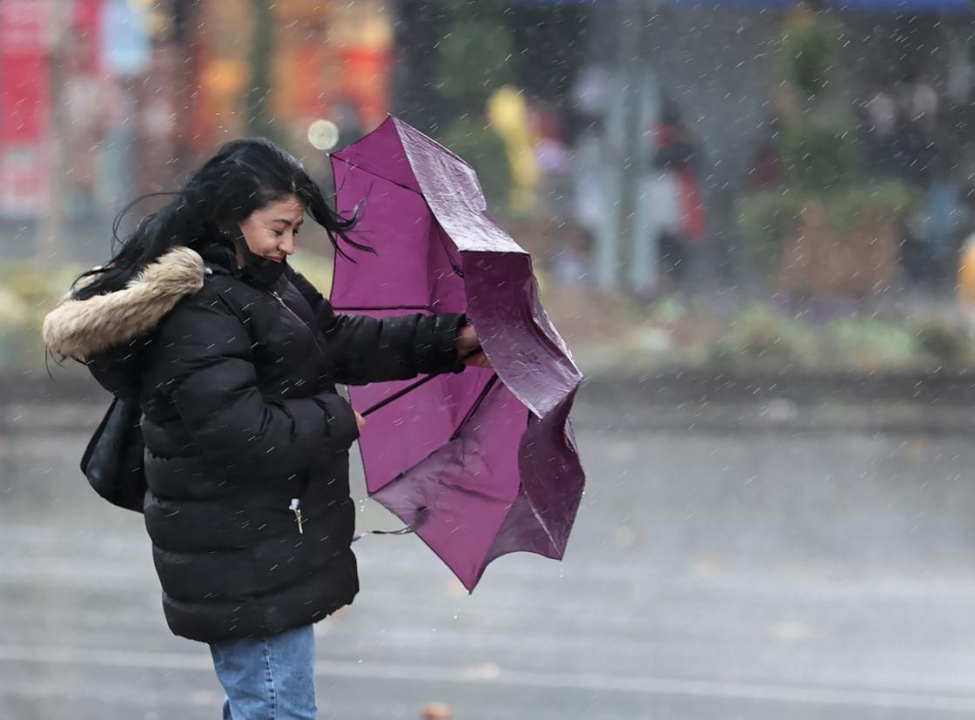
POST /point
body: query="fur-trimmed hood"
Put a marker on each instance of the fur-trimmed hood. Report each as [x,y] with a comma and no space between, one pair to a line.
[81,329]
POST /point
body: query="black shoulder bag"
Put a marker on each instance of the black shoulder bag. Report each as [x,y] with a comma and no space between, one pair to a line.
[113,460]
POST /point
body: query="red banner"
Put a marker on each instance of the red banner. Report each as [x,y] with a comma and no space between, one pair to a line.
[25,97]
[87,33]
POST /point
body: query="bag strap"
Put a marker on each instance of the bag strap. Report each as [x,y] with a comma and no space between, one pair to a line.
[96,436]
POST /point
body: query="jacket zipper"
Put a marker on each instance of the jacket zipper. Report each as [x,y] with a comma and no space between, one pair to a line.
[295,505]
[298,318]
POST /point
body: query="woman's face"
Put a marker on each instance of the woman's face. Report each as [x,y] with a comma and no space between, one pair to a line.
[272,231]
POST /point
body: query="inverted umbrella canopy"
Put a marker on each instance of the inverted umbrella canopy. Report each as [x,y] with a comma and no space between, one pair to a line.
[482,463]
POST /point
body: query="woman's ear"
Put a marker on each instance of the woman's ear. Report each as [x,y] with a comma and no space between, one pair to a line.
[233,237]
[229,230]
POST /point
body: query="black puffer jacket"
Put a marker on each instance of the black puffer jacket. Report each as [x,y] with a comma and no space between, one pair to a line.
[241,417]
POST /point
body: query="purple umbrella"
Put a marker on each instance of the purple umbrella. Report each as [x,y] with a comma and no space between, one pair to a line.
[482,463]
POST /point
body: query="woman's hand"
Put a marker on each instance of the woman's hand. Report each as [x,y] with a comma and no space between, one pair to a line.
[359,420]
[467,343]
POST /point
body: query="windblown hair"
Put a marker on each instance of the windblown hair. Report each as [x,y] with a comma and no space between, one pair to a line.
[245,175]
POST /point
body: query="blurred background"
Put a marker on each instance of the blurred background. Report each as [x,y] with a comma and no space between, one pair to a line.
[752,220]
[715,184]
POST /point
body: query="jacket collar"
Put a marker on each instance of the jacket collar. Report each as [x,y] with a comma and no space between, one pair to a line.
[218,257]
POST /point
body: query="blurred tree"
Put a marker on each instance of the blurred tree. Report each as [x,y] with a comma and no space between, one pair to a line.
[485,151]
[474,63]
[474,60]
[810,48]
[821,153]
[827,230]
[262,53]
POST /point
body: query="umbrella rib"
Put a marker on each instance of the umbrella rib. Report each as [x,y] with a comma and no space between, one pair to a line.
[377,308]
[419,383]
[477,404]
[441,236]
[353,166]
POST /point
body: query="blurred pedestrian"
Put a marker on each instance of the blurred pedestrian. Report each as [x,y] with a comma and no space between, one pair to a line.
[553,157]
[765,171]
[231,359]
[879,124]
[676,197]
[942,217]
[572,256]
[591,95]
[87,108]
[915,141]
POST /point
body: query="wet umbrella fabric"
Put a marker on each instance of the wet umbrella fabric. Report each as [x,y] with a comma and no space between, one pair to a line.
[482,463]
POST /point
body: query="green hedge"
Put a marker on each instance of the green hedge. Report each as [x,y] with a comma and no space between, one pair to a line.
[821,153]
[768,219]
[484,149]
[810,48]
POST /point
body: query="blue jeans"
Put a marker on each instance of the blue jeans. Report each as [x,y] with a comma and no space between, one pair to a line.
[268,678]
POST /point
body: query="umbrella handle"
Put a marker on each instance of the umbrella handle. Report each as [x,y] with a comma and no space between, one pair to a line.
[420,516]
[402,531]
[410,388]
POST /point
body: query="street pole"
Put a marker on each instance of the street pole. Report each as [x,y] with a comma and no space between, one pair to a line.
[643,269]
[49,226]
[257,97]
[629,73]
[610,186]
[612,234]
[626,254]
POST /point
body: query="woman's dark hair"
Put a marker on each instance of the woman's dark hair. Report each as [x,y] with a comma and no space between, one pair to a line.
[244,176]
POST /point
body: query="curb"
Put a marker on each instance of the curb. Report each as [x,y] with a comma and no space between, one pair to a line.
[666,388]
[786,404]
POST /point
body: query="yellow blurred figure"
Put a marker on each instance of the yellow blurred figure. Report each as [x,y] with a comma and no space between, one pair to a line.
[157,16]
[966,280]
[509,118]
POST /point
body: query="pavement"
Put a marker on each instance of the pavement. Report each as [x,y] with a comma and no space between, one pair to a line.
[788,557]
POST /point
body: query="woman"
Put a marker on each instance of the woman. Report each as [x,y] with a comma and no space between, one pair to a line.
[234,359]
[680,202]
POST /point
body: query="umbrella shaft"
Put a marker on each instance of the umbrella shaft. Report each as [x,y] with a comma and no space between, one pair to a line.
[396,396]
[410,388]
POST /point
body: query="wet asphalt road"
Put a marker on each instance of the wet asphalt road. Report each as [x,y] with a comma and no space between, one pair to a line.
[721,568]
